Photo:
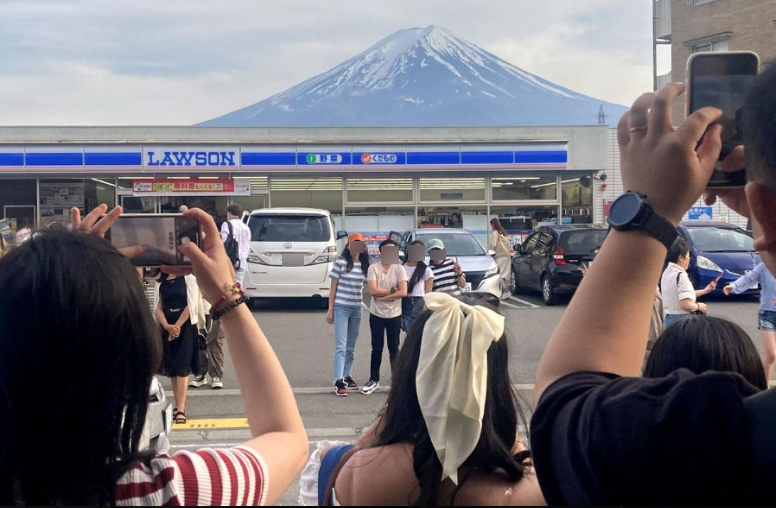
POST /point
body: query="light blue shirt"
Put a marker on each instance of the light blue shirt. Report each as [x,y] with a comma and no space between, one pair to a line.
[760,275]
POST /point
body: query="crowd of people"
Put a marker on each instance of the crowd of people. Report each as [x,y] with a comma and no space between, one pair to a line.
[695,426]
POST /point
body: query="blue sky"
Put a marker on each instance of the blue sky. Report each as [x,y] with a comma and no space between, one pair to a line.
[179,62]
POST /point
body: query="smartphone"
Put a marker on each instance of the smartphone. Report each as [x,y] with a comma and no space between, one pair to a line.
[722,80]
[162,234]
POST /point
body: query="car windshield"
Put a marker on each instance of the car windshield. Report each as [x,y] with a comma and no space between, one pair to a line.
[456,245]
[582,242]
[721,239]
[290,228]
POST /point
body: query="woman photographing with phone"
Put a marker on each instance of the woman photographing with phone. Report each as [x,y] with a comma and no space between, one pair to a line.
[90,310]
[499,243]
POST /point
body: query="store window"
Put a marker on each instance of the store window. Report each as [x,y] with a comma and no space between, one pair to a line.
[17,204]
[472,219]
[435,190]
[578,199]
[375,223]
[521,221]
[379,190]
[322,193]
[525,188]
[58,196]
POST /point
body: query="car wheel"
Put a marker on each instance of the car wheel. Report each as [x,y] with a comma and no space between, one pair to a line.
[548,292]
[514,287]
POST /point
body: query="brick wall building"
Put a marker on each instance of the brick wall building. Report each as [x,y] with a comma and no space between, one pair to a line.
[719,25]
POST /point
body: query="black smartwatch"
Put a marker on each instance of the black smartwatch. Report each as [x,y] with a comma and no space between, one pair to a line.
[632,212]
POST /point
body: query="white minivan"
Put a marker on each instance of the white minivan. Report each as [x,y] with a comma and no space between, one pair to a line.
[293,250]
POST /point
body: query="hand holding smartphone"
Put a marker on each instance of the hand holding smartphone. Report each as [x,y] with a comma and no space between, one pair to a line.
[161,235]
[722,80]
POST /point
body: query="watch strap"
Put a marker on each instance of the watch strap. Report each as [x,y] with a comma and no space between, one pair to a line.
[659,227]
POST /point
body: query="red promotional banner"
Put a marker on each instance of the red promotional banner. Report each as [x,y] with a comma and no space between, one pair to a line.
[219,187]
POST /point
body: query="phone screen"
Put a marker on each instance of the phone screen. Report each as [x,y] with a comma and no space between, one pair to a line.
[161,234]
[722,80]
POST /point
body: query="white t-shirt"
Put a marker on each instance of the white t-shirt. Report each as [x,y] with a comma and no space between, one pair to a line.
[676,286]
[386,279]
[242,234]
[420,288]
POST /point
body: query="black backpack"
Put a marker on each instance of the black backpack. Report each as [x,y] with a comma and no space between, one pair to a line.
[232,247]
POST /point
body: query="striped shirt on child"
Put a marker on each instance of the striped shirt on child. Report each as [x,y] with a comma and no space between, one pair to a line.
[350,287]
[445,279]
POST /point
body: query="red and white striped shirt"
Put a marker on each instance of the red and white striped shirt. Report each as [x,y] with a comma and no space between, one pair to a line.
[234,477]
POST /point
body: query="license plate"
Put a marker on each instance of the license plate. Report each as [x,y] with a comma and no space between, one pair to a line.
[293,260]
[467,288]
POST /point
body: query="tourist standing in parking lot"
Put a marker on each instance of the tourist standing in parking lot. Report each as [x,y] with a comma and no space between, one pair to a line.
[448,276]
[679,295]
[345,307]
[180,312]
[421,281]
[767,322]
[499,242]
[388,285]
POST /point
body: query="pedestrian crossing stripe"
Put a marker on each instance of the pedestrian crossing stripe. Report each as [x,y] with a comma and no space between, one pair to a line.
[225,423]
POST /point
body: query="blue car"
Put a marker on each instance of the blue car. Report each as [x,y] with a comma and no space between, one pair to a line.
[717,247]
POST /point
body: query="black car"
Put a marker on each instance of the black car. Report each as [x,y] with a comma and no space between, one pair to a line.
[550,259]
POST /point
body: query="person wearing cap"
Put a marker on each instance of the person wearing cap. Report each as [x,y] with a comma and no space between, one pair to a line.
[345,306]
[448,276]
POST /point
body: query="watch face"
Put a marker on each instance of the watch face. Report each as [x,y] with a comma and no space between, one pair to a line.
[625,210]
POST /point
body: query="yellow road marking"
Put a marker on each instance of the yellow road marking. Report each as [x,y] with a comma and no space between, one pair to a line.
[225,423]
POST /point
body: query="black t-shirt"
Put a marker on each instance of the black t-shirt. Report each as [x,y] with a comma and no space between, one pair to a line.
[599,439]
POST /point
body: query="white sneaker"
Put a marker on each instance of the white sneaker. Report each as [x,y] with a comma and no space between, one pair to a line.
[198,382]
[217,384]
[371,387]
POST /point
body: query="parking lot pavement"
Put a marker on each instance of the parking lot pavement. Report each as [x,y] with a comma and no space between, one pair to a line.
[303,341]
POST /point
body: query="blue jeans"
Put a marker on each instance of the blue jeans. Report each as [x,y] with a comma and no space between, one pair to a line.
[347,322]
[411,307]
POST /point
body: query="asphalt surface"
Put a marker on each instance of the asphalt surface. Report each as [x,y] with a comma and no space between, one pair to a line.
[304,342]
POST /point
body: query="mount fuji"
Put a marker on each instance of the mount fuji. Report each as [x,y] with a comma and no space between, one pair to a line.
[423,77]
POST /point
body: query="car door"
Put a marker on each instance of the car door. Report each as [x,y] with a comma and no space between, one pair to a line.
[522,261]
[541,256]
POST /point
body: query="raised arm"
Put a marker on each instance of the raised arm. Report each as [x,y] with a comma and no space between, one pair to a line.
[663,165]
[276,425]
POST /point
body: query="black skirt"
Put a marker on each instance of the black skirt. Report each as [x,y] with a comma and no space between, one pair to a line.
[181,355]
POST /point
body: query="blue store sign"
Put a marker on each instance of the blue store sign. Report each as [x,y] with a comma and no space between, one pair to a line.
[701,213]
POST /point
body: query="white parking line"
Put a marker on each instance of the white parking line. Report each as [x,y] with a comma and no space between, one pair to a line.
[528,304]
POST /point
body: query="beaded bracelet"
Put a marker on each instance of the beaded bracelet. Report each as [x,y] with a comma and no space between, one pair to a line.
[228,308]
[231,291]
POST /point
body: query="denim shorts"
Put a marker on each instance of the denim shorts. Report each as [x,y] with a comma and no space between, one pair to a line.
[767,321]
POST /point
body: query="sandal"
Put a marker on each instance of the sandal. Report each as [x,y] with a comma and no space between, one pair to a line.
[180,418]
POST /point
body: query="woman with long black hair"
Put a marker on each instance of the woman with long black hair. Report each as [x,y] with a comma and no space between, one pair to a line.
[449,433]
[421,282]
[71,307]
[346,301]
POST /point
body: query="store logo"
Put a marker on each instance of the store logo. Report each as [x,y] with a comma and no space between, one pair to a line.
[324,158]
[379,158]
[191,159]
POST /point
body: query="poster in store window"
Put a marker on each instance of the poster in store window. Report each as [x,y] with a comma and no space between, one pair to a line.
[56,200]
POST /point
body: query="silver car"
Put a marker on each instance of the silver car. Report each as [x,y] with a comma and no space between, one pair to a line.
[482,273]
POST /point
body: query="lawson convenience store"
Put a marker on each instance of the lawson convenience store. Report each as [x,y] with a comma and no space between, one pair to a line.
[372,180]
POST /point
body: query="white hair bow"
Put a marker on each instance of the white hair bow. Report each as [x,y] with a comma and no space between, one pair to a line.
[452,377]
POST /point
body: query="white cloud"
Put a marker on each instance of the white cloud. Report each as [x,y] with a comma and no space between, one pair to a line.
[184,61]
